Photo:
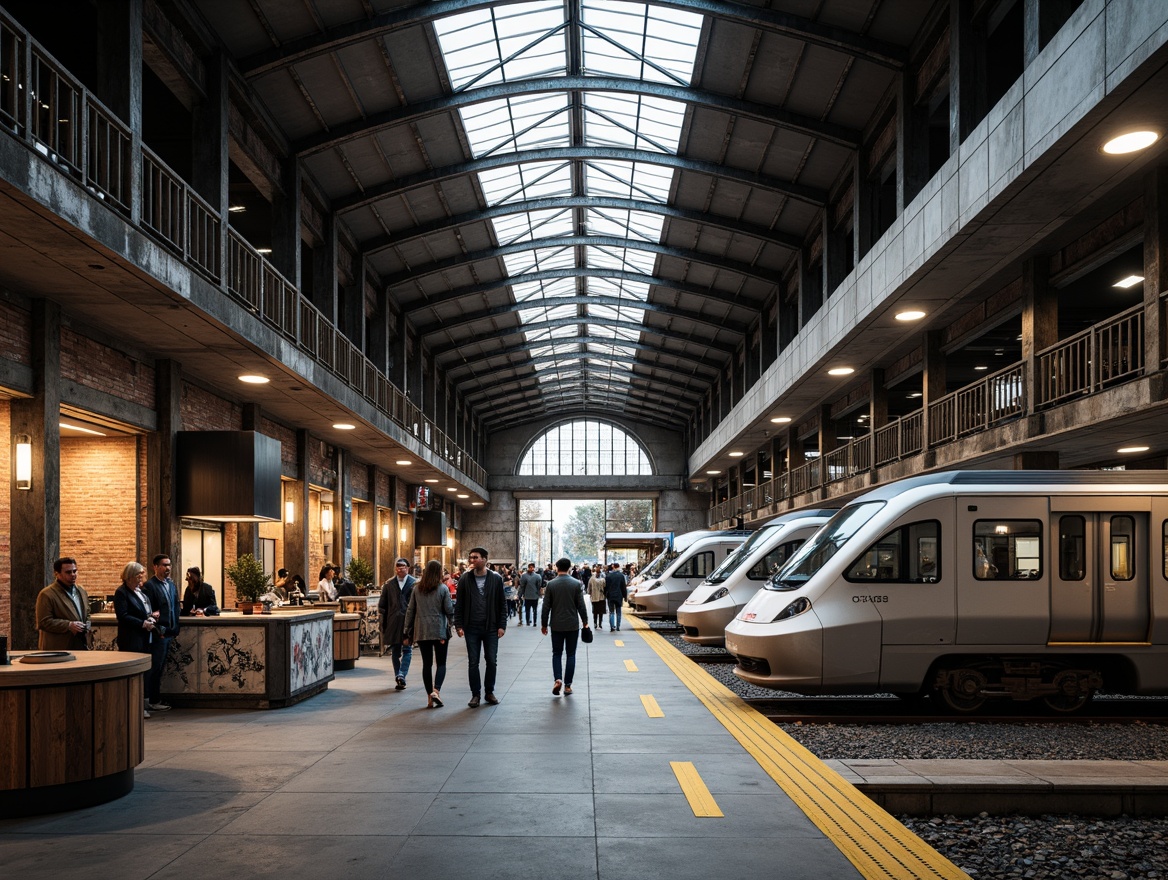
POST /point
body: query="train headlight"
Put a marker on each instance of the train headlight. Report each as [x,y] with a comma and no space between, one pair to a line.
[652,586]
[794,609]
[720,593]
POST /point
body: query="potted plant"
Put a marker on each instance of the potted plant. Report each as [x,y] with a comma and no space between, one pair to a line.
[251,581]
[360,572]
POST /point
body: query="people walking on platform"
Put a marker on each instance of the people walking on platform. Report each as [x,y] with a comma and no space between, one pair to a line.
[563,602]
[530,586]
[616,591]
[509,590]
[391,607]
[62,610]
[428,617]
[481,618]
[596,588]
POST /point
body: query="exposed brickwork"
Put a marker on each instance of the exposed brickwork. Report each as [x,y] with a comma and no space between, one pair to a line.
[87,362]
[287,438]
[359,479]
[321,467]
[15,333]
[5,526]
[402,502]
[383,485]
[98,489]
[203,411]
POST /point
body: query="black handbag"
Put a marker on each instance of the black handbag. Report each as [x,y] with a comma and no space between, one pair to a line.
[586,635]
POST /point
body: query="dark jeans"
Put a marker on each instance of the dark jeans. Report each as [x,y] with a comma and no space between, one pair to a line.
[488,644]
[433,650]
[529,607]
[159,648]
[614,613]
[401,656]
[561,639]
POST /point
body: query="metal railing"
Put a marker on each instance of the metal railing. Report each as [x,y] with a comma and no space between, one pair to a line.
[1092,359]
[975,407]
[44,105]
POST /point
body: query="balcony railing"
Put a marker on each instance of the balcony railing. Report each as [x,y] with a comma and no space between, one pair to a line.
[1092,359]
[44,105]
[975,407]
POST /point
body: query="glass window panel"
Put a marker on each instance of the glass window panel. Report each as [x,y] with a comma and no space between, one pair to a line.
[629,180]
[634,224]
[635,290]
[531,225]
[1122,548]
[581,448]
[1072,548]
[1007,550]
[478,46]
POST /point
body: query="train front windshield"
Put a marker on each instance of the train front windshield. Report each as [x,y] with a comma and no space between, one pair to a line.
[736,558]
[659,563]
[823,545]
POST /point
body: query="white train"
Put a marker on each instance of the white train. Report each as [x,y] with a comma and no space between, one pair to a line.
[661,594]
[715,601]
[974,585]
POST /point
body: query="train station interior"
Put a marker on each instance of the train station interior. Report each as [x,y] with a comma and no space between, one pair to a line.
[317,280]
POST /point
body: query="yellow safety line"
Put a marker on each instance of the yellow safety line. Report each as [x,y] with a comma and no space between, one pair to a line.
[619,643]
[700,800]
[877,844]
[630,666]
[651,707]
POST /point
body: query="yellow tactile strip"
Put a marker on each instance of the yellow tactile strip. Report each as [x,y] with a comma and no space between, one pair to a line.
[694,788]
[878,845]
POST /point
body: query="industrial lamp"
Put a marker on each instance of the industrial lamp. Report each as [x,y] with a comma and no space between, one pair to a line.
[326,519]
[290,512]
[23,461]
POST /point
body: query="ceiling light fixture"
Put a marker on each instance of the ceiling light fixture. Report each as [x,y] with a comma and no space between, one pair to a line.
[981,367]
[780,420]
[1129,281]
[737,454]
[431,481]
[344,426]
[841,371]
[236,209]
[1131,142]
[712,473]
[80,429]
[1128,450]
[910,315]
[254,379]
[405,462]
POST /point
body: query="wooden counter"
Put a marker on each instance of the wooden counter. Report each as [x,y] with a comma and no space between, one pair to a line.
[71,732]
[243,661]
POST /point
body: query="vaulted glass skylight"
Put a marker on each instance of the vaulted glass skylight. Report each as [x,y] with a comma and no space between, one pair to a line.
[523,41]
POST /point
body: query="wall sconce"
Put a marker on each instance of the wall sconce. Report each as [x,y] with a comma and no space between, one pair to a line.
[326,519]
[450,542]
[385,531]
[404,534]
[289,512]
[23,461]
[361,528]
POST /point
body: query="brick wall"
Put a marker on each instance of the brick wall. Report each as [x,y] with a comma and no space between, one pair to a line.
[15,333]
[98,522]
[287,438]
[359,479]
[322,466]
[203,411]
[383,485]
[5,524]
[88,362]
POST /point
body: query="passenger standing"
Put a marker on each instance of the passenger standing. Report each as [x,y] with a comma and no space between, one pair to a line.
[395,598]
[481,617]
[563,601]
[137,616]
[530,586]
[62,610]
[596,588]
[164,596]
[428,617]
[616,590]
[199,597]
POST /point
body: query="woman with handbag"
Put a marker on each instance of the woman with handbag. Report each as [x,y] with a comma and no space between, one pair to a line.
[429,616]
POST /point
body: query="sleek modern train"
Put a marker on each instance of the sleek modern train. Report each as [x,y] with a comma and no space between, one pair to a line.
[715,601]
[661,595]
[973,585]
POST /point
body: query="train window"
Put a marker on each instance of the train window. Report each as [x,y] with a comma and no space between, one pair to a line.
[698,565]
[1072,548]
[1123,538]
[774,560]
[908,555]
[1007,549]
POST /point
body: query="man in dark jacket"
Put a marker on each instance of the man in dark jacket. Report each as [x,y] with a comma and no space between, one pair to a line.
[563,602]
[480,616]
[164,598]
[395,598]
[616,590]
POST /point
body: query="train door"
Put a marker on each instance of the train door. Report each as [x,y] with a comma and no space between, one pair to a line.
[1002,572]
[1100,591]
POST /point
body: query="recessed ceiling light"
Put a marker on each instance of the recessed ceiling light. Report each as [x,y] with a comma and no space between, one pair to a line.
[80,429]
[405,462]
[711,473]
[780,420]
[344,426]
[841,371]
[264,251]
[236,209]
[476,504]
[981,367]
[463,496]
[451,488]
[1127,450]
[737,454]
[1130,142]
[431,481]
[253,379]
[915,395]
[1129,281]
[910,315]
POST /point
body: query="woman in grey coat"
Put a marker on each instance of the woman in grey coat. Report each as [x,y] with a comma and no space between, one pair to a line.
[428,619]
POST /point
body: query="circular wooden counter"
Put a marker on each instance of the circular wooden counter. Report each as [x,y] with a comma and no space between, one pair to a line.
[71,732]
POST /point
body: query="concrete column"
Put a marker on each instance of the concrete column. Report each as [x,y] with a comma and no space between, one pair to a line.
[378,333]
[164,530]
[119,79]
[324,270]
[285,254]
[35,531]
[878,403]
[1036,461]
[209,174]
[912,138]
[1155,267]
[352,305]
[247,534]
[1042,20]
[967,94]
[296,533]
[1039,322]
[933,379]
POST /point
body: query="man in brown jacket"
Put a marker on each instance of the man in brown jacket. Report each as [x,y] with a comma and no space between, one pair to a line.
[62,610]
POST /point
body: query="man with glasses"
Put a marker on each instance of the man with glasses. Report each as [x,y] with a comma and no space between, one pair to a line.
[62,610]
[480,616]
[164,596]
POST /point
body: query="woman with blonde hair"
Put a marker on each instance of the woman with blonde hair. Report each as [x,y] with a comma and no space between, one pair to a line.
[428,620]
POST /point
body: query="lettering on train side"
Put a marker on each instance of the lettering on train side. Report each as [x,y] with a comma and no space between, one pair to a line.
[859,599]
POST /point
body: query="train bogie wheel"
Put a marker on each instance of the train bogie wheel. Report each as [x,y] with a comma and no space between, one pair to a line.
[963,693]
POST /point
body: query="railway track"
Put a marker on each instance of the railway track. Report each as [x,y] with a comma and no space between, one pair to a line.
[890,710]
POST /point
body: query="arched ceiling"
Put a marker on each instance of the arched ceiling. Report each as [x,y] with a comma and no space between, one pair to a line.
[584,204]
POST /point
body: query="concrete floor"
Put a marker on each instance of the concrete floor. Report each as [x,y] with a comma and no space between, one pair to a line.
[364,781]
